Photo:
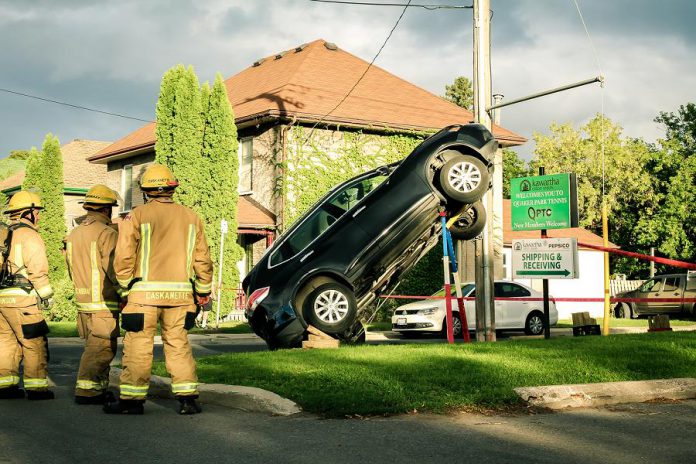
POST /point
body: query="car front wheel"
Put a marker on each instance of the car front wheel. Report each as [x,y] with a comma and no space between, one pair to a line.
[622,311]
[331,308]
[534,324]
[456,326]
[464,178]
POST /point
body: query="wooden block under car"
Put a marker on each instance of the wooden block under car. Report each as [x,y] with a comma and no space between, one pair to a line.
[318,333]
[659,323]
[333,343]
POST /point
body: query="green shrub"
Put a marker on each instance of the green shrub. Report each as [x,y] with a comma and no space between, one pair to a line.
[64,307]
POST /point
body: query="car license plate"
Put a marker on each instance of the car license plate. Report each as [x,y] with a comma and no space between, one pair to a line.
[401,321]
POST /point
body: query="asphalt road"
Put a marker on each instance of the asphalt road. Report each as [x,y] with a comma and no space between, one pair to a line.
[59,431]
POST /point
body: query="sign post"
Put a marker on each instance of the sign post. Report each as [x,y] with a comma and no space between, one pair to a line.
[224,228]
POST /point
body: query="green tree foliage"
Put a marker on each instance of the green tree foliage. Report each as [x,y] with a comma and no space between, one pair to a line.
[513,166]
[218,194]
[20,154]
[44,175]
[460,93]
[179,132]
[670,223]
[627,181]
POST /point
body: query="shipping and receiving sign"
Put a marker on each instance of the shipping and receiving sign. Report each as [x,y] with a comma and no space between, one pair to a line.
[545,258]
[544,202]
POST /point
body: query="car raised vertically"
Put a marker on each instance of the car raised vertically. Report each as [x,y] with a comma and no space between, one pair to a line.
[518,308]
[358,240]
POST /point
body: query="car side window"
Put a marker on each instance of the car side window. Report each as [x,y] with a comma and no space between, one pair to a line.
[519,292]
[352,194]
[652,285]
[509,290]
[671,284]
[691,283]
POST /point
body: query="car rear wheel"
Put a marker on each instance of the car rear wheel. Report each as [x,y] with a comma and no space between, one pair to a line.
[534,325]
[456,326]
[464,178]
[331,308]
[470,223]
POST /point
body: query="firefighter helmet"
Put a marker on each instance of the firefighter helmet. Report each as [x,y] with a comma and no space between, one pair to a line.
[157,177]
[99,196]
[24,200]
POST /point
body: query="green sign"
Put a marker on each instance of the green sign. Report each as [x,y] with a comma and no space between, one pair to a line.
[544,202]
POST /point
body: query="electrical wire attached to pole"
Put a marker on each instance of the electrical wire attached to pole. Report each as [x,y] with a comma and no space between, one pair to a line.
[409,4]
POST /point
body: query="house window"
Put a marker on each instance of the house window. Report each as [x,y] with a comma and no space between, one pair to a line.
[127,187]
[246,161]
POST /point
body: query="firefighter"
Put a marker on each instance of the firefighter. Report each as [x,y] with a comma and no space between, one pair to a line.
[24,293]
[89,252]
[162,258]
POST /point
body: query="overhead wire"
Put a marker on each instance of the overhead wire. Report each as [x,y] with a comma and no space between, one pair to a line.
[409,4]
[599,67]
[73,105]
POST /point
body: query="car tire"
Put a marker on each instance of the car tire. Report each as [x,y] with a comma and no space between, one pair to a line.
[534,325]
[456,326]
[464,178]
[331,308]
[623,311]
[470,223]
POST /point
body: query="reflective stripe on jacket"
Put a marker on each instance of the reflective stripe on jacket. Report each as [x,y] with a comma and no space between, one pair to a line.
[27,258]
[162,252]
[89,252]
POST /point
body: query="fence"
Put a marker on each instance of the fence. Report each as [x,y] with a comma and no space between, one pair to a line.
[621,285]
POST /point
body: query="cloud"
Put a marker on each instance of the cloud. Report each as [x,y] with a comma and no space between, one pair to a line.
[111,55]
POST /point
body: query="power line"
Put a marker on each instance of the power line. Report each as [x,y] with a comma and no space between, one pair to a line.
[427,7]
[72,105]
[406,5]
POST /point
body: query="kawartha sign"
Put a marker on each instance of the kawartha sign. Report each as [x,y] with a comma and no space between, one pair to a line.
[544,202]
[545,258]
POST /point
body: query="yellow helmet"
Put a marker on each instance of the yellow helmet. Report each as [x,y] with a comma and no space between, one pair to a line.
[24,200]
[99,196]
[158,177]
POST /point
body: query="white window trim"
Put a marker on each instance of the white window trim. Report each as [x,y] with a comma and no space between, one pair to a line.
[123,188]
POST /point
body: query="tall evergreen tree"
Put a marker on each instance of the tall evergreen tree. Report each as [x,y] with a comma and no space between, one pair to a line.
[179,132]
[44,174]
[219,188]
[461,93]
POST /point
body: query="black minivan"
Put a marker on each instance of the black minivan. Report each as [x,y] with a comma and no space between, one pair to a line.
[357,241]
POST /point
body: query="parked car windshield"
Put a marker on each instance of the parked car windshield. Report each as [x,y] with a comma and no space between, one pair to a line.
[466,289]
[325,215]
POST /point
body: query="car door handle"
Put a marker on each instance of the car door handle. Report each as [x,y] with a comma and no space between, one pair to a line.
[306,256]
[360,210]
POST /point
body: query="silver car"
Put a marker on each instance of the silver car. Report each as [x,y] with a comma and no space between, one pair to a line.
[517,313]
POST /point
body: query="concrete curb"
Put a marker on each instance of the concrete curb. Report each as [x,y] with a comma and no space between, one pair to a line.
[230,396]
[599,394]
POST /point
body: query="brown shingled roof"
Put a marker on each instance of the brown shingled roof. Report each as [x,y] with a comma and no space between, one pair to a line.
[308,82]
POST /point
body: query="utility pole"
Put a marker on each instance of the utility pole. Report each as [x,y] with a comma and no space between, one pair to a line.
[485,306]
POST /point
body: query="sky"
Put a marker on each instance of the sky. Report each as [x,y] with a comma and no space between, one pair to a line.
[110,55]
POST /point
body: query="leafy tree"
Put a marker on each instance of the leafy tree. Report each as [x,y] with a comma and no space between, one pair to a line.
[179,130]
[627,183]
[219,192]
[670,224]
[460,93]
[513,166]
[20,154]
[44,174]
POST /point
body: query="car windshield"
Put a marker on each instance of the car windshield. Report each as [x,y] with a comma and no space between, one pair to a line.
[466,289]
[326,214]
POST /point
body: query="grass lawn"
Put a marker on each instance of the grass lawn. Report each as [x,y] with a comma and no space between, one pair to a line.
[567,323]
[69,329]
[439,378]
[379,326]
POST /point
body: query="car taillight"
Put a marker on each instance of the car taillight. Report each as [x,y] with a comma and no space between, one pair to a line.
[256,297]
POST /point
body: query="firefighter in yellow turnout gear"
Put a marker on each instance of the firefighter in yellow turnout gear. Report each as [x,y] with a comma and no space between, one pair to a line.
[163,259]
[89,252]
[25,292]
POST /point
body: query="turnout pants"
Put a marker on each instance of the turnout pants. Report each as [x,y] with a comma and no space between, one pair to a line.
[140,323]
[100,331]
[23,336]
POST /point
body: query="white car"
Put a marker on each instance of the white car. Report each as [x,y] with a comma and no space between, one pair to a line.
[429,315]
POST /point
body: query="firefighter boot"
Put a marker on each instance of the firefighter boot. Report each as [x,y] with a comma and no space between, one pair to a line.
[188,405]
[103,398]
[37,395]
[11,393]
[134,407]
